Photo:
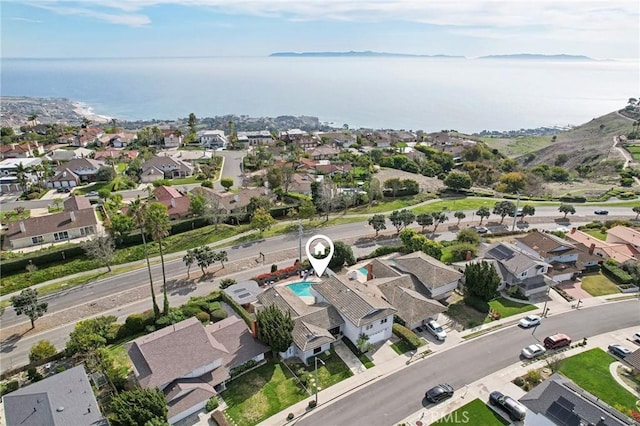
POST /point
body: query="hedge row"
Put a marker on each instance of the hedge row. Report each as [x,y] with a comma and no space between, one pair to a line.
[615,272]
[246,316]
[408,336]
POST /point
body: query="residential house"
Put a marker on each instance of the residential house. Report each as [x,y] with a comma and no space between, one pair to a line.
[328,168]
[624,235]
[301,183]
[363,313]
[257,138]
[307,142]
[324,152]
[213,139]
[22,150]
[230,203]
[62,155]
[567,260]
[339,139]
[618,251]
[244,293]
[116,154]
[178,204]
[517,267]
[9,173]
[190,362]
[122,140]
[170,167]
[78,220]
[62,399]
[172,138]
[84,168]
[439,280]
[559,401]
[316,324]
[292,135]
[64,178]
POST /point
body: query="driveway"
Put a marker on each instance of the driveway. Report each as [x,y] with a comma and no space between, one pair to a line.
[574,289]
[232,167]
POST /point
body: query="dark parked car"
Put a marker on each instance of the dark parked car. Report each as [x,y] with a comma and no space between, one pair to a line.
[619,350]
[512,407]
[603,212]
[439,393]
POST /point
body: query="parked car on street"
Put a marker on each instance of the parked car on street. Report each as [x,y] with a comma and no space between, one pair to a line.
[436,330]
[602,212]
[512,407]
[530,321]
[533,351]
[636,337]
[619,350]
[481,229]
[557,341]
[439,393]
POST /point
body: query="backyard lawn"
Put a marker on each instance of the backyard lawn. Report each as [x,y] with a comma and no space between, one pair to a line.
[271,388]
[506,307]
[475,412]
[596,233]
[590,370]
[598,285]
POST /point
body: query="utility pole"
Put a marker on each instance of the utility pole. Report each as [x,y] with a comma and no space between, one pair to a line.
[316,359]
[515,214]
[300,241]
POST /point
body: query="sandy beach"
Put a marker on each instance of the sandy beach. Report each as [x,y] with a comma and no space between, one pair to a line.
[86,111]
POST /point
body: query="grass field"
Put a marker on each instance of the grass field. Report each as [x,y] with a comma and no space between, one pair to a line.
[598,285]
[475,412]
[590,371]
[596,233]
[518,146]
[634,150]
[506,307]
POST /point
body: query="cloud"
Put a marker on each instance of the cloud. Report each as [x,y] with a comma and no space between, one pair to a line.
[86,10]
[29,20]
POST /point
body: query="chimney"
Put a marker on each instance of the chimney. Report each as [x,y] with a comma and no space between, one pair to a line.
[72,216]
[370,272]
[23,229]
[469,255]
[592,248]
[573,230]
[173,202]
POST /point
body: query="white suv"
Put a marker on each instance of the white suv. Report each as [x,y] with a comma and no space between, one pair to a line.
[436,329]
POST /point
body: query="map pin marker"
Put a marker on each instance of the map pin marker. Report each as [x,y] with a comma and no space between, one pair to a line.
[319,249]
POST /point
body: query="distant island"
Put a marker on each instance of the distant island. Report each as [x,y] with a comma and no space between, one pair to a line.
[532,56]
[357,54]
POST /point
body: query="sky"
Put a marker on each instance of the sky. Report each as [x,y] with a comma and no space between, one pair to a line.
[608,29]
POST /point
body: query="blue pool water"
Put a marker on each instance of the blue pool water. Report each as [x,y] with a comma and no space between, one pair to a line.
[301,288]
[364,271]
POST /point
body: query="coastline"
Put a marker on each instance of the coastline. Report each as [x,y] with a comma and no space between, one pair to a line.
[86,111]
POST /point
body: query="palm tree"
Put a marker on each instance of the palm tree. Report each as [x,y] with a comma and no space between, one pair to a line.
[157,225]
[189,259]
[21,175]
[137,210]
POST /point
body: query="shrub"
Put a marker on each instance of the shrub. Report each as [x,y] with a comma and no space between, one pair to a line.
[407,335]
[312,403]
[290,416]
[213,306]
[203,317]
[274,268]
[190,310]
[207,183]
[134,323]
[534,376]
[33,374]
[60,368]
[617,273]
[227,282]
[218,314]
[518,381]
[212,404]
[9,387]
[42,350]
[242,312]
[477,304]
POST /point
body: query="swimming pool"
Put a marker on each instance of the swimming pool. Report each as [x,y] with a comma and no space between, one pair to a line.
[364,271]
[301,289]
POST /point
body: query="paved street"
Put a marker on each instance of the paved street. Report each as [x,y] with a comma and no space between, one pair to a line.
[232,167]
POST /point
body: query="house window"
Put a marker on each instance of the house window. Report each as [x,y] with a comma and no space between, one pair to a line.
[37,240]
[317,350]
[369,327]
[87,230]
[382,321]
[59,236]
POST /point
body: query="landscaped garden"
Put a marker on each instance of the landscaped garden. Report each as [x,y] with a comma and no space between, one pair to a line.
[475,412]
[599,284]
[271,388]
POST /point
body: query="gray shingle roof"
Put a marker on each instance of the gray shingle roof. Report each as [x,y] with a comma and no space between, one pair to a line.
[431,272]
[408,296]
[241,346]
[565,403]
[513,259]
[358,307]
[60,400]
[51,223]
[285,300]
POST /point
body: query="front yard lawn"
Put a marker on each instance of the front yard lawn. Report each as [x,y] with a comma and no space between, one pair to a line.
[506,307]
[271,388]
[598,285]
[401,347]
[590,370]
[475,412]
[465,315]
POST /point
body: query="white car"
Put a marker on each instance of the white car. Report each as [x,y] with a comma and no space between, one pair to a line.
[533,351]
[530,321]
[436,329]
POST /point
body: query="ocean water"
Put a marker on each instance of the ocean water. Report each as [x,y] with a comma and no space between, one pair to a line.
[430,94]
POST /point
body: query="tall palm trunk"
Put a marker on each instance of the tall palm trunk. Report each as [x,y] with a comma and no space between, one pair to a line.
[156,309]
[165,307]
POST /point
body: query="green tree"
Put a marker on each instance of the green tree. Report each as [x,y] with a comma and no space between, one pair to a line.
[142,406]
[484,213]
[100,248]
[438,218]
[424,220]
[193,121]
[374,191]
[105,174]
[636,210]
[104,193]
[378,223]
[42,350]
[157,224]
[275,328]
[307,209]
[221,257]
[396,220]
[197,205]
[566,209]
[262,220]
[408,217]
[287,176]
[89,335]
[481,280]
[189,259]
[138,210]
[27,303]
[459,216]
[528,210]
[468,236]
[342,253]
[457,181]
[274,177]
[512,182]
[394,184]
[226,182]
[205,257]
[258,202]
[503,209]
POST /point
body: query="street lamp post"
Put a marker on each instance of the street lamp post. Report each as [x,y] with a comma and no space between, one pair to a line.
[515,213]
[546,299]
[316,359]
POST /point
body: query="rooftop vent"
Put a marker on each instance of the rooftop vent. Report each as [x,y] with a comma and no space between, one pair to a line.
[60,409]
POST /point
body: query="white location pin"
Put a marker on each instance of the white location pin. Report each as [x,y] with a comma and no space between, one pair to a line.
[319,249]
